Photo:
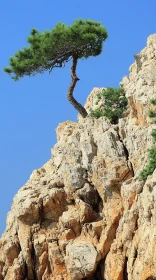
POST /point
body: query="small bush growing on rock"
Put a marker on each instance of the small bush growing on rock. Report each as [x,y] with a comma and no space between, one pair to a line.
[154,135]
[114,103]
[149,169]
[151,114]
[153,102]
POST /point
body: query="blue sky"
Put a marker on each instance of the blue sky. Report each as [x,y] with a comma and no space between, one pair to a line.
[31,108]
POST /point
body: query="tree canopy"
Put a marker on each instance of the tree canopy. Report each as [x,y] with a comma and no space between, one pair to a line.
[50,49]
[53,48]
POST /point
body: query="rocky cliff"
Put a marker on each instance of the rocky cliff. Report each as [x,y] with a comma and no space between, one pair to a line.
[85,214]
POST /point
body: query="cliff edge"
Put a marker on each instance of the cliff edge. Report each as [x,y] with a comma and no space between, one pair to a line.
[85,214]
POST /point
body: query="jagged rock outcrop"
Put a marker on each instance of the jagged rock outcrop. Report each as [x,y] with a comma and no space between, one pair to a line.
[85,214]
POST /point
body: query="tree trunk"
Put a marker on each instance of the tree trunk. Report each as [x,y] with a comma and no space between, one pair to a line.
[70,97]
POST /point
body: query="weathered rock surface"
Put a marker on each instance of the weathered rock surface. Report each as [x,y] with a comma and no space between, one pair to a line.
[85,214]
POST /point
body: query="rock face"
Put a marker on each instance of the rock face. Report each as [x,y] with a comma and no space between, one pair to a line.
[85,214]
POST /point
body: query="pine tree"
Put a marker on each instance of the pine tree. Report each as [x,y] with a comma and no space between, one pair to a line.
[50,49]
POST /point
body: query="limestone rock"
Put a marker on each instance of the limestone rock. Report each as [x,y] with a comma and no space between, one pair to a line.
[81,259]
[85,214]
[91,101]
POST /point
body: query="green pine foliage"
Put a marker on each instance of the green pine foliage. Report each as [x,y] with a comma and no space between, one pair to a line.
[151,166]
[54,48]
[114,103]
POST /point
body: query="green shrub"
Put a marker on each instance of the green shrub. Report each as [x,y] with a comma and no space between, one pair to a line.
[149,169]
[153,101]
[151,114]
[114,103]
[154,135]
